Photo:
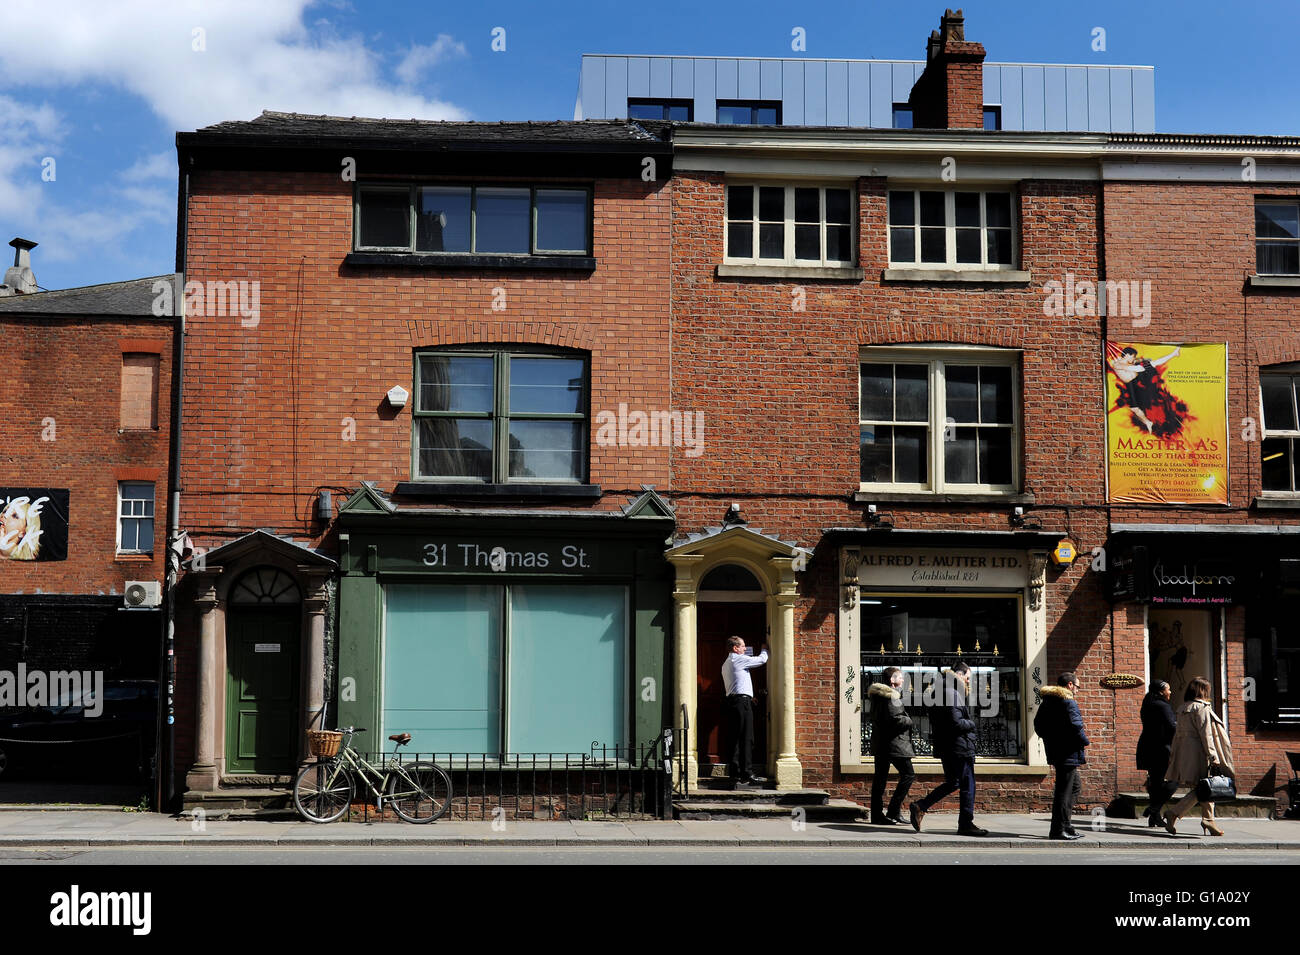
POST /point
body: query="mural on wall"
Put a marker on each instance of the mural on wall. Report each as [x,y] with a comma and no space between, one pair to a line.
[1166,423]
[33,523]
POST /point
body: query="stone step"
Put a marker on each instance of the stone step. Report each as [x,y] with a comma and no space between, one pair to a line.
[240,802]
[782,797]
[1130,805]
[833,810]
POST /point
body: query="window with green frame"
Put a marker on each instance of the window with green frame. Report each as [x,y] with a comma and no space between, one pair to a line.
[474,219]
[500,415]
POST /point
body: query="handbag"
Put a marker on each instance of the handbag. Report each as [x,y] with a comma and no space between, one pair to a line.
[1215,788]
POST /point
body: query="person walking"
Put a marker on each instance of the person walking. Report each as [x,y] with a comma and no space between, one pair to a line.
[891,742]
[1158,725]
[954,744]
[1060,726]
[1200,748]
[740,710]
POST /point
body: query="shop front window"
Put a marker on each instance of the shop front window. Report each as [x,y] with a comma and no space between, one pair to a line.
[518,669]
[924,635]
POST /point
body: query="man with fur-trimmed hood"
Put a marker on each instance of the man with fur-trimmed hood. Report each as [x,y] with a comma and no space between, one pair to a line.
[1060,726]
[891,742]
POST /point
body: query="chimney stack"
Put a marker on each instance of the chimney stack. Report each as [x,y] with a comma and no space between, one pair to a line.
[950,93]
[19,279]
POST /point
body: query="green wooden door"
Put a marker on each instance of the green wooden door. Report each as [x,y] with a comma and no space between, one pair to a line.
[262,689]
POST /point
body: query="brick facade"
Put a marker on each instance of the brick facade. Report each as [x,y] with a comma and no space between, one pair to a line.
[295,404]
[1195,242]
[69,369]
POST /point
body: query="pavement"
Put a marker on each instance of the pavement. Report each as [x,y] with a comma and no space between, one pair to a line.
[1014,831]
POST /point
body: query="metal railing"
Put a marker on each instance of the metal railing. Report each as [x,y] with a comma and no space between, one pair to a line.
[631,781]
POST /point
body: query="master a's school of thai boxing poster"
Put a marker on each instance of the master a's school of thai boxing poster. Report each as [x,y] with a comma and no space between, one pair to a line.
[1166,423]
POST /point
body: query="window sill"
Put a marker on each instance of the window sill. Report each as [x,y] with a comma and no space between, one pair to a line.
[443,260]
[923,766]
[1273,281]
[133,558]
[1289,502]
[498,492]
[904,497]
[834,273]
[982,276]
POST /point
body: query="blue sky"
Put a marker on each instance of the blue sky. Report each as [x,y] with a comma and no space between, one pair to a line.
[101,87]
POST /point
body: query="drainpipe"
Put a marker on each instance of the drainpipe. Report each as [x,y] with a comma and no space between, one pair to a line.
[167,723]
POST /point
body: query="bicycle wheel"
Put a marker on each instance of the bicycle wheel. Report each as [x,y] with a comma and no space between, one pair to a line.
[323,791]
[421,793]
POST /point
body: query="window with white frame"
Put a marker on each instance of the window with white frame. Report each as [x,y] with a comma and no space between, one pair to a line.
[951,229]
[790,225]
[1277,237]
[1277,392]
[941,420]
[135,517]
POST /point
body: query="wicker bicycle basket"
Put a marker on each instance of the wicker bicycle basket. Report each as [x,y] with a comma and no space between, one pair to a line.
[324,742]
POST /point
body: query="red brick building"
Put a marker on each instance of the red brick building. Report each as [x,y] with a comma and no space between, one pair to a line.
[83,489]
[905,287]
[463,316]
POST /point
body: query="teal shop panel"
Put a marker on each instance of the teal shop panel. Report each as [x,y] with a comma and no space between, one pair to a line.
[442,666]
[568,667]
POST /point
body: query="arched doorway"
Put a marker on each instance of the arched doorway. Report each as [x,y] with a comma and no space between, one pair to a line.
[730,602]
[263,627]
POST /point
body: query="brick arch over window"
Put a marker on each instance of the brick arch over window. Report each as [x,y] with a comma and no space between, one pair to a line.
[922,334]
[427,334]
[1269,354]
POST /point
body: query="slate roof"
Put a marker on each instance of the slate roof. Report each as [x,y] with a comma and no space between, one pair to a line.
[300,128]
[134,298]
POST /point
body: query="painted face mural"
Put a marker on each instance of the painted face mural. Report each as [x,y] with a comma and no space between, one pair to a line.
[33,524]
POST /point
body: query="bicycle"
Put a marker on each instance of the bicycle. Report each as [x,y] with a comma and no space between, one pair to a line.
[418,792]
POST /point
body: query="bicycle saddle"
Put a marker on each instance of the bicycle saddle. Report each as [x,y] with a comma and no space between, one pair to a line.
[401,739]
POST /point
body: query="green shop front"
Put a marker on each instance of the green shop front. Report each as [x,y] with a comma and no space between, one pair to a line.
[506,642]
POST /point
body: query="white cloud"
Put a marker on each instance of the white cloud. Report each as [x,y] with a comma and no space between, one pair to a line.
[256,54]
[156,166]
[98,219]
[421,58]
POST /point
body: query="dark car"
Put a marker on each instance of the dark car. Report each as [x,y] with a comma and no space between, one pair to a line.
[64,740]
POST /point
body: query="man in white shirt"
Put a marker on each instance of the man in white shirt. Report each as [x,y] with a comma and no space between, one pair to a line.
[740,709]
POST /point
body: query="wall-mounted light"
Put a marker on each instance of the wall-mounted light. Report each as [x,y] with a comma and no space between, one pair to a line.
[397,396]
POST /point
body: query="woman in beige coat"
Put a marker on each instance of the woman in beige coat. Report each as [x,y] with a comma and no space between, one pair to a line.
[1200,743]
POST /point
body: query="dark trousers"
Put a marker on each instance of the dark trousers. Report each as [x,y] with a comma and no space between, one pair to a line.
[878,780]
[1068,785]
[740,712]
[958,777]
[1159,789]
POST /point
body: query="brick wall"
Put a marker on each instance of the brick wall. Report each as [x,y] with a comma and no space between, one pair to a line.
[1195,243]
[70,370]
[270,408]
[779,391]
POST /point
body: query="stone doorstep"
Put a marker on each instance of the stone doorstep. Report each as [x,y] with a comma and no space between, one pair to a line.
[1130,805]
[706,810]
[780,797]
[242,802]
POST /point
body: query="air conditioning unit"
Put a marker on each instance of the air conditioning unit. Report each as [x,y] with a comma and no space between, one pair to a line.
[142,593]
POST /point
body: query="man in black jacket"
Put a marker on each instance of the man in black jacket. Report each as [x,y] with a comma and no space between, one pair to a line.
[1158,724]
[1060,726]
[954,744]
[891,742]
